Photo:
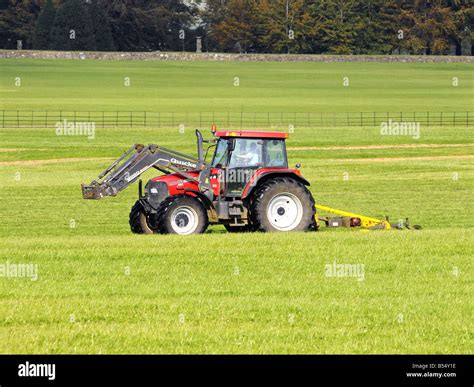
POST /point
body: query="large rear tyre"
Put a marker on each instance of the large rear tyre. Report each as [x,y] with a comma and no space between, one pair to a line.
[183,215]
[139,223]
[282,204]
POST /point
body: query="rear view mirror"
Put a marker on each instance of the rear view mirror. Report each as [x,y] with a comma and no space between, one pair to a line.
[230,144]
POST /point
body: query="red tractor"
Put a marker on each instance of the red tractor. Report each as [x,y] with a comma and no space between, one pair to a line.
[247,186]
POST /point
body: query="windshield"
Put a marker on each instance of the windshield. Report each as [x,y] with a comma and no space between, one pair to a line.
[220,156]
[247,153]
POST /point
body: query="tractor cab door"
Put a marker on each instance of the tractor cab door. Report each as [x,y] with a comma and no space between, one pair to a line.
[238,159]
[245,159]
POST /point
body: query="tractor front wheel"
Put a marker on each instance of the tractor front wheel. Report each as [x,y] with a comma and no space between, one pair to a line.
[139,220]
[282,204]
[183,215]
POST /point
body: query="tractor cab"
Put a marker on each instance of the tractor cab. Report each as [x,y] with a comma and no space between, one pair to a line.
[239,154]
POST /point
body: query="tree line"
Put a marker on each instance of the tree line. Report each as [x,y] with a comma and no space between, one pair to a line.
[431,27]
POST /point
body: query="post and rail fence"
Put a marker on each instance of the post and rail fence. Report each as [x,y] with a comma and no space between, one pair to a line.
[227,120]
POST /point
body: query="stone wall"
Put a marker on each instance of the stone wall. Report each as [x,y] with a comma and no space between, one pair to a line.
[173,56]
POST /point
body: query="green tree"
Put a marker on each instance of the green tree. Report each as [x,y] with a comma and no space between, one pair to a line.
[295,26]
[43,27]
[334,29]
[72,28]
[288,26]
[142,25]
[17,22]
[463,34]
[427,25]
[233,24]
[101,27]
[375,26]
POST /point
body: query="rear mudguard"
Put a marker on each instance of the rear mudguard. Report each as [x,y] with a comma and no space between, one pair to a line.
[264,174]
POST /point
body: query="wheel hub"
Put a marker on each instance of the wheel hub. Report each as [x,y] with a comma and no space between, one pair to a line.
[184,220]
[285,211]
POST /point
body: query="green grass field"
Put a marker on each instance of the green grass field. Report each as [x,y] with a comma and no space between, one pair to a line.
[209,86]
[102,289]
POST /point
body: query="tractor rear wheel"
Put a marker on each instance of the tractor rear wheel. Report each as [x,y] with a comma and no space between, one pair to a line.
[139,220]
[183,215]
[282,204]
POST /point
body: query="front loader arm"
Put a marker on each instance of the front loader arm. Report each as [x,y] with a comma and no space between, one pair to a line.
[124,171]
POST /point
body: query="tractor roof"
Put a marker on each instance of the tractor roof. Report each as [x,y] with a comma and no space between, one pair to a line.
[251,134]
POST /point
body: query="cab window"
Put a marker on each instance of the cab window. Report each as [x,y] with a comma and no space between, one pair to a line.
[275,153]
[247,153]
[220,155]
